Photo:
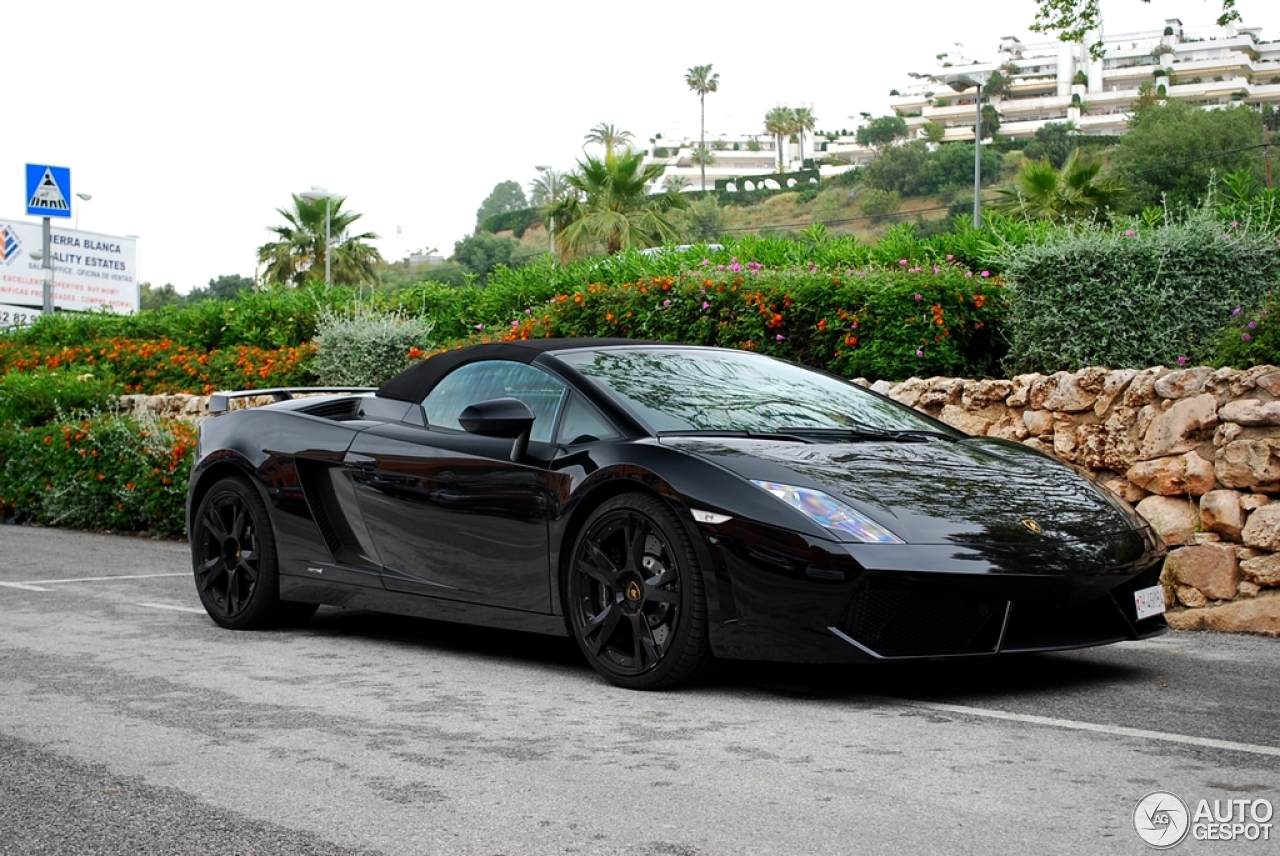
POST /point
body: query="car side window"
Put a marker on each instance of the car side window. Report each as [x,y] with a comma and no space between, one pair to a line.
[581,424]
[476,382]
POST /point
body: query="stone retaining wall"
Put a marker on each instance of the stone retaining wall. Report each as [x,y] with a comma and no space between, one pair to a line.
[1196,450]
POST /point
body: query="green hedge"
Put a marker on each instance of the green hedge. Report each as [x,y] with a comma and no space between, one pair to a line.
[1132,297]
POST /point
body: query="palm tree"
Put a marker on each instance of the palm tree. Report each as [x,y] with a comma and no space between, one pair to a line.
[609,204]
[779,122]
[547,188]
[1075,192]
[300,250]
[701,80]
[608,136]
[805,121]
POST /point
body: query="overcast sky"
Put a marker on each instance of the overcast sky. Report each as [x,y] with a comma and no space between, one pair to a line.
[190,123]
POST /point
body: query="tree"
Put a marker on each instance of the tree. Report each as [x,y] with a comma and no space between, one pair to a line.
[482,252]
[225,287]
[506,196]
[150,297]
[1073,20]
[904,169]
[1172,151]
[1055,141]
[779,122]
[1075,192]
[990,121]
[610,137]
[610,205]
[805,121]
[934,132]
[705,220]
[951,167]
[299,254]
[881,132]
[702,80]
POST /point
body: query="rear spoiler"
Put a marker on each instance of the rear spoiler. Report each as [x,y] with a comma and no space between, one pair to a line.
[220,402]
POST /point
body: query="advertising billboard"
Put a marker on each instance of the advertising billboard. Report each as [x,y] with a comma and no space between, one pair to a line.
[90,271]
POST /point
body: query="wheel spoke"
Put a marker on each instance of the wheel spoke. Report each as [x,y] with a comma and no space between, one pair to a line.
[237,525]
[213,522]
[597,565]
[645,653]
[248,555]
[599,628]
[662,596]
[635,531]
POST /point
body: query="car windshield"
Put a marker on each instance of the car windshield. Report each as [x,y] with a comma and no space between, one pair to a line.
[694,389]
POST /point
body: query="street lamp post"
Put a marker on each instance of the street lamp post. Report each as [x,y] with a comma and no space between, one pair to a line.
[550,176]
[961,82]
[85,197]
[315,194]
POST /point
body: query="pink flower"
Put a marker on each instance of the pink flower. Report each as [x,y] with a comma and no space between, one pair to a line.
[479,326]
[919,297]
[706,305]
[1129,233]
[986,274]
[779,337]
[1235,311]
[1245,337]
[919,353]
[666,303]
[515,323]
[1182,361]
[902,262]
[1253,325]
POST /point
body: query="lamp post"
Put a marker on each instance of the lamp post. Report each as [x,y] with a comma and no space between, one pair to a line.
[85,197]
[961,82]
[550,176]
[315,194]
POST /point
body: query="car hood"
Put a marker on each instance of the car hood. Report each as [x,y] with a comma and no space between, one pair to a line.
[973,491]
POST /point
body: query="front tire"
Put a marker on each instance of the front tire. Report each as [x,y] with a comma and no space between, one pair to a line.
[635,596]
[233,555]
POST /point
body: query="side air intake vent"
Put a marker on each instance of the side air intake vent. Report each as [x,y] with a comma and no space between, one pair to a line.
[336,409]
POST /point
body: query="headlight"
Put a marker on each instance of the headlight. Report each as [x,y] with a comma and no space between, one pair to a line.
[831,513]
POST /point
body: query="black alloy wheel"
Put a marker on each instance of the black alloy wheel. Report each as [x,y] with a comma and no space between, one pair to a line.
[233,554]
[635,597]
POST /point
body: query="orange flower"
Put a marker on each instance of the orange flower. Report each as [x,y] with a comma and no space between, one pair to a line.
[822,324]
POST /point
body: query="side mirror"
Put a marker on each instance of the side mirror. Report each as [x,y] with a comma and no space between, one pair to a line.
[500,417]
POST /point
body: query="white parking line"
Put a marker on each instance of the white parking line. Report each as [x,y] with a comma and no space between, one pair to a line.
[119,577]
[24,587]
[1075,725]
[172,607]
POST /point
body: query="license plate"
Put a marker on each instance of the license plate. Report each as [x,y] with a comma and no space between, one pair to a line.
[1149,601]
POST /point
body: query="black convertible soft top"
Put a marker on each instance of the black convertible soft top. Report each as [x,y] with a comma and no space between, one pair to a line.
[415,382]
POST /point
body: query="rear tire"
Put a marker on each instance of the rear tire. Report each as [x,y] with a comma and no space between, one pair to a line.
[233,556]
[635,596]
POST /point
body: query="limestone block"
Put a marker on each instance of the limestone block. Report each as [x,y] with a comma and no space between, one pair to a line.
[1256,615]
[984,393]
[1142,389]
[1212,568]
[1113,386]
[1067,392]
[884,387]
[1126,490]
[1190,596]
[1174,475]
[1226,433]
[1175,519]
[1252,465]
[1252,501]
[1262,529]
[1182,427]
[967,421]
[909,391]
[1039,423]
[942,390]
[1184,383]
[1220,512]
[1091,446]
[1248,589]
[1206,538]
[1020,395]
[1263,570]
[1269,382]
[1250,411]
[1009,426]
[1121,438]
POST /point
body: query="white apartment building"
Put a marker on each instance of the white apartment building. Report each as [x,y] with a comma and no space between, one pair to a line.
[1059,82]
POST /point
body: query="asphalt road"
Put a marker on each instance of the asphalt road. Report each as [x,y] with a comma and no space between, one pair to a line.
[130,723]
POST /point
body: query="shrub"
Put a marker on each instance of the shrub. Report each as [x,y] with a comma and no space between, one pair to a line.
[1134,297]
[366,349]
[36,398]
[98,472]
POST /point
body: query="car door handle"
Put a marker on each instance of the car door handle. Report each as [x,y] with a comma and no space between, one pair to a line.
[358,461]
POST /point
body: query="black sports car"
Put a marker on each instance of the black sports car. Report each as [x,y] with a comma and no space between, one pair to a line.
[664,505]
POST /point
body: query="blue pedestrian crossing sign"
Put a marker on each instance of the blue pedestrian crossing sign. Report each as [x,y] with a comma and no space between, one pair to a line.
[48,190]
